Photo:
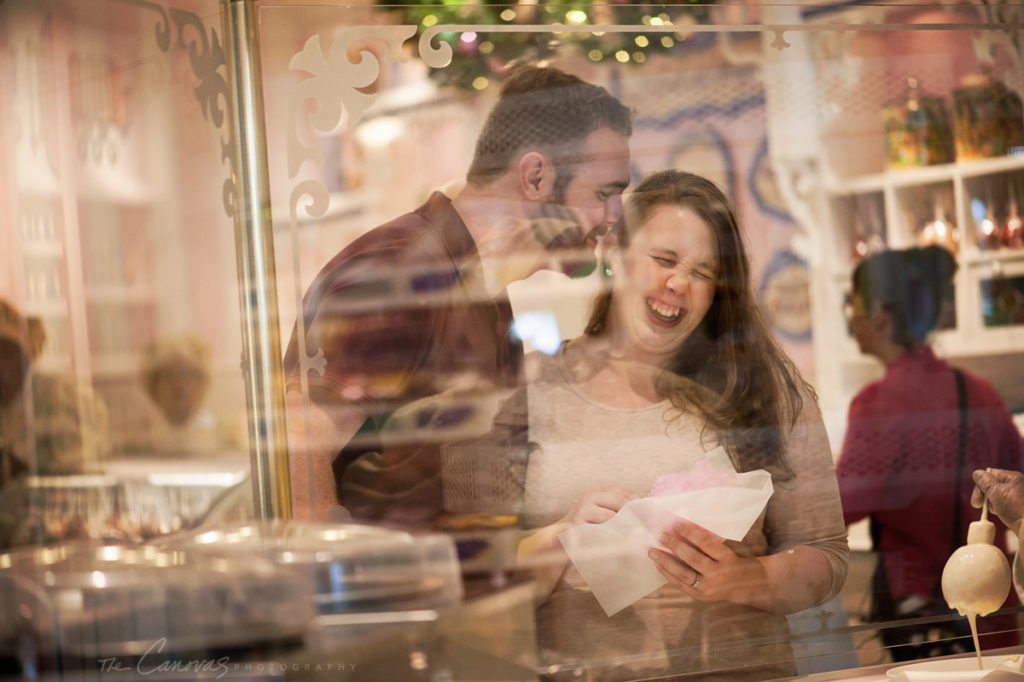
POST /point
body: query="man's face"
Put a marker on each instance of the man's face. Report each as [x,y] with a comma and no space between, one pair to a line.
[580,212]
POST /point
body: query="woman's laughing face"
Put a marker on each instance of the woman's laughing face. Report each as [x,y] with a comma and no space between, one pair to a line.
[668,279]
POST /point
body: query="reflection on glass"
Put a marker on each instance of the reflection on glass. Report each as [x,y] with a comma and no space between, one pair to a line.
[116,243]
[115,236]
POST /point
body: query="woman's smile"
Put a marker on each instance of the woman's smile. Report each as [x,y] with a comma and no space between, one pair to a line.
[665,314]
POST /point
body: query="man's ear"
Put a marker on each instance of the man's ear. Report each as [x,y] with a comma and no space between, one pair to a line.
[536,176]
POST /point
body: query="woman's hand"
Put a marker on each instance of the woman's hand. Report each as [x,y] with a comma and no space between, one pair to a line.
[597,505]
[704,567]
[543,553]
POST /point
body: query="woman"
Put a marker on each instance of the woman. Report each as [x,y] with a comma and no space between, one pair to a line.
[900,462]
[674,361]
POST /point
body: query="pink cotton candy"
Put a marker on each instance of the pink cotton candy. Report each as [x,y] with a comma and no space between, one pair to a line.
[698,477]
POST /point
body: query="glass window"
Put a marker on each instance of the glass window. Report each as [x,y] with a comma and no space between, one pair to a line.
[624,333]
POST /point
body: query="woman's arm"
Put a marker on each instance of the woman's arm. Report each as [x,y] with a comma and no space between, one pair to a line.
[798,578]
[542,554]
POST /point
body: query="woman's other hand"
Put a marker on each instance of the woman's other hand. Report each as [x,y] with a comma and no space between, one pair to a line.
[597,505]
[542,552]
[1005,493]
[704,567]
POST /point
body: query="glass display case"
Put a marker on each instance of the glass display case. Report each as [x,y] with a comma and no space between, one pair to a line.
[346,266]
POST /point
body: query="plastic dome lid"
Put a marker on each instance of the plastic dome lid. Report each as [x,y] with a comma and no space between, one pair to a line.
[100,600]
[353,568]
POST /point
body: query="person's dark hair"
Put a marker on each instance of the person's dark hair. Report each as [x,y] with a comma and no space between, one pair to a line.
[14,353]
[547,110]
[910,285]
[729,371]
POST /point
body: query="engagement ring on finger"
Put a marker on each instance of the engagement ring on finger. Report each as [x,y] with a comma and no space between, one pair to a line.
[696,581]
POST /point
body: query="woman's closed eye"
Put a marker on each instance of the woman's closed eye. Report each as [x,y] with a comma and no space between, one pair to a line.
[671,263]
[703,275]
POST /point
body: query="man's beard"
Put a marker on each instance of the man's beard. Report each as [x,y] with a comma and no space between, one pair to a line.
[558,229]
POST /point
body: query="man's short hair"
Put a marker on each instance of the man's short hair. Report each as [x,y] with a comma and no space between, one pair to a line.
[546,110]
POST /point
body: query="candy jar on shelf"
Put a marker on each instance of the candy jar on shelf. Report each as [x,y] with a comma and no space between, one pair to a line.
[876,243]
[918,130]
[859,247]
[990,232]
[858,240]
[1013,230]
[988,118]
[868,228]
[865,244]
[939,230]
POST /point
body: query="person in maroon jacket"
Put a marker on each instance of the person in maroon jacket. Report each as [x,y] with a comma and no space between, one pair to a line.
[417,307]
[900,463]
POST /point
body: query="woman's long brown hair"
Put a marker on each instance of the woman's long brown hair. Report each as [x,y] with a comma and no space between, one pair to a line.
[729,371]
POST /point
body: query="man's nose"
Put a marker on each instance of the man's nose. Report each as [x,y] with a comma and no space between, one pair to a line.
[613,211]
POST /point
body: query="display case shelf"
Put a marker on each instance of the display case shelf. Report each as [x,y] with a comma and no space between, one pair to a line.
[919,176]
[990,258]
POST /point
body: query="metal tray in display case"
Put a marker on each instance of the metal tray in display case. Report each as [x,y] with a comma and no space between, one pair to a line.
[94,601]
[353,568]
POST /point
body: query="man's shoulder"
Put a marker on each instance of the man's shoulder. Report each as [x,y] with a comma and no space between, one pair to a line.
[403,242]
[424,234]
[395,236]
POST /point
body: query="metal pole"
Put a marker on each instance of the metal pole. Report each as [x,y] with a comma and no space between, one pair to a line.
[254,247]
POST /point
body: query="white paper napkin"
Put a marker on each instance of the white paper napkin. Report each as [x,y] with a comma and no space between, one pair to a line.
[612,556]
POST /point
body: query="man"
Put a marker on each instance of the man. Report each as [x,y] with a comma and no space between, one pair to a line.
[416,309]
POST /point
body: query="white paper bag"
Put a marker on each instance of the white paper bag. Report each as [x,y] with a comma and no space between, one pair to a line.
[612,556]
